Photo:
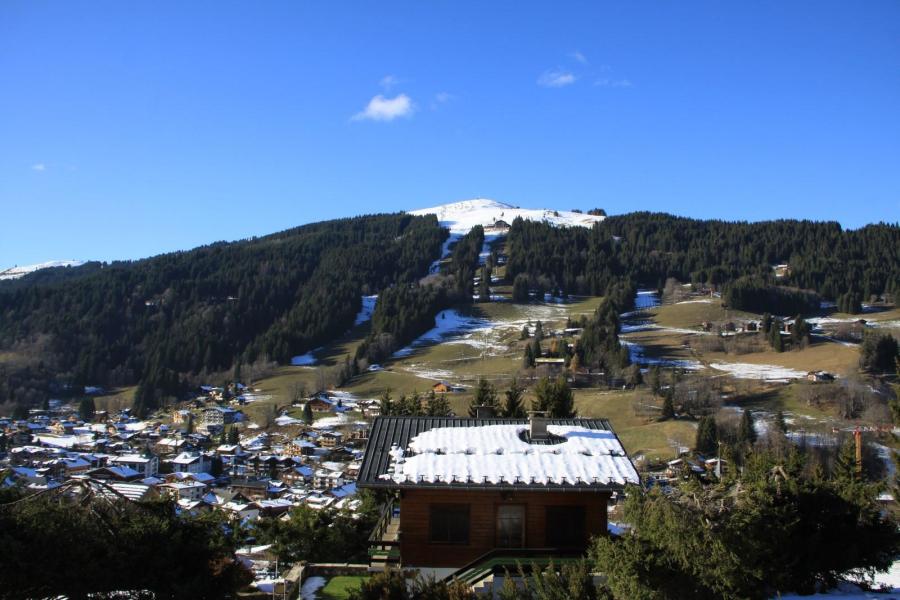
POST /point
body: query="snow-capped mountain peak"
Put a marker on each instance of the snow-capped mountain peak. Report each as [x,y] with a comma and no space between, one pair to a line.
[460,217]
[16,272]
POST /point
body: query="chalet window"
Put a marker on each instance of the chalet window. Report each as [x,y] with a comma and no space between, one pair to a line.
[565,526]
[449,524]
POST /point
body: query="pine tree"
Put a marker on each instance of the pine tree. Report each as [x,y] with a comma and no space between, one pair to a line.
[536,351]
[668,407]
[554,396]
[87,409]
[525,333]
[485,395]
[513,408]
[528,357]
[654,379]
[387,404]
[308,413]
[746,431]
[539,331]
[233,436]
[707,436]
[438,406]
[780,423]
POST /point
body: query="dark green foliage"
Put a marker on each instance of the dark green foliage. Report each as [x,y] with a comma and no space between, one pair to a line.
[652,247]
[308,413]
[746,431]
[850,303]
[554,396]
[755,295]
[599,346]
[512,404]
[668,406]
[394,585]
[402,314]
[528,357]
[485,395]
[780,423]
[120,546]
[707,441]
[463,263]
[86,409]
[773,529]
[879,353]
[233,435]
[325,535]
[437,406]
[196,311]
[800,333]
[520,288]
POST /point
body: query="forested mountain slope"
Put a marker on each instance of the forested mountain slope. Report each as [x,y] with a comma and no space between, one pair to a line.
[188,312]
[650,247]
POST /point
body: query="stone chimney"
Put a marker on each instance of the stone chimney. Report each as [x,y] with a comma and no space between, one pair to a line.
[485,411]
[537,425]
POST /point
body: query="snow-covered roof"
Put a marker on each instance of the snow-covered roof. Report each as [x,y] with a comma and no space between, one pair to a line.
[416,451]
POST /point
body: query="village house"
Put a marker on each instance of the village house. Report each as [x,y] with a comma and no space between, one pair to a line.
[191,462]
[216,417]
[147,466]
[330,439]
[510,489]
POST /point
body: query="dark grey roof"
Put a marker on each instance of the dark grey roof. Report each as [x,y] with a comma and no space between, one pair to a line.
[398,431]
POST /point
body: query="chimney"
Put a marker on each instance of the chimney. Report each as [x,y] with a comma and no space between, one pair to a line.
[485,411]
[537,425]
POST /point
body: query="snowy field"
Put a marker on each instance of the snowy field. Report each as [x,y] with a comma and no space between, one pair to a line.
[368,307]
[637,354]
[461,217]
[772,373]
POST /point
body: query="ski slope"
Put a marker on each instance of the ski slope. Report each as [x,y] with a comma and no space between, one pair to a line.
[460,217]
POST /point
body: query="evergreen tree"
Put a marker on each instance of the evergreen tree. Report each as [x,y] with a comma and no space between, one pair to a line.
[528,357]
[800,333]
[233,436]
[707,436]
[308,416]
[633,377]
[525,333]
[879,353]
[654,379]
[775,338]
[387,404]
[780,423]
[554,396]
[87,409]
[438,406]
[539,331]
[746,431]
[485,395]
[513,407]
[668,407]
[536,351]
[520,288]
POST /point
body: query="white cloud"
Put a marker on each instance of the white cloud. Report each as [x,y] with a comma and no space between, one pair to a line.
[386,109]
[578,56]
[388,81]
[39,167]
[556,79]
[613,83]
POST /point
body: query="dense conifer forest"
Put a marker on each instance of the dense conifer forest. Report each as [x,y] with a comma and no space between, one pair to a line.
[648,248]
[158,319]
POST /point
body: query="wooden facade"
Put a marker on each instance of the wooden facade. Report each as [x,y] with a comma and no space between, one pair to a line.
[490,514]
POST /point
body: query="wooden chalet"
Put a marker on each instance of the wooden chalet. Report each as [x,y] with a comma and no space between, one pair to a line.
[470,490]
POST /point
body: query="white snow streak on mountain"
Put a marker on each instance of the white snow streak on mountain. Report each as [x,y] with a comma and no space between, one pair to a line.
[16,272]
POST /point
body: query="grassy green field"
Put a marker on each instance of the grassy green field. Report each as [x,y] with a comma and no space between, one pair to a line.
[339,587]
[640,436]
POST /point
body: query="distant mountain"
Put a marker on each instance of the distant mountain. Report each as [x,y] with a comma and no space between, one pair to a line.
[460,217]
[17,272]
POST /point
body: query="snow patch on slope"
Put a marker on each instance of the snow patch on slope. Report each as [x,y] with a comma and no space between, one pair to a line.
[460,217]
[16,272]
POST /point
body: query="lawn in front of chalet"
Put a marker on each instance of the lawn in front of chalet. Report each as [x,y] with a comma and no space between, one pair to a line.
[340,586]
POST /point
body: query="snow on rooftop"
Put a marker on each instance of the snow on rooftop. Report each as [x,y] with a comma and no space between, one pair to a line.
[496,454]
[16,272]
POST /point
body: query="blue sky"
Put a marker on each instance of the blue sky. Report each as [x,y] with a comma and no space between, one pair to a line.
[129,128]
